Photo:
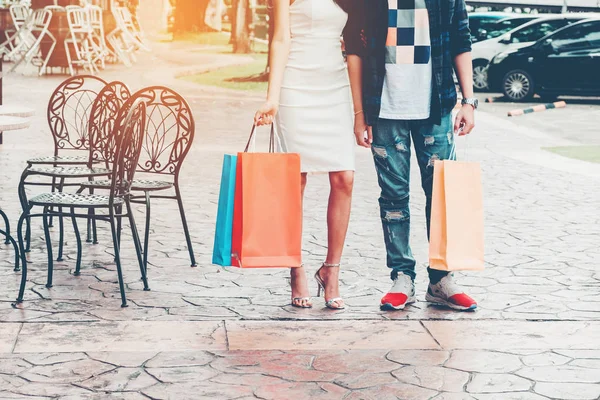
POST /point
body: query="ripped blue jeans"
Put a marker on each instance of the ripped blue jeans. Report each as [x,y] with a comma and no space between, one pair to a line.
[392,152]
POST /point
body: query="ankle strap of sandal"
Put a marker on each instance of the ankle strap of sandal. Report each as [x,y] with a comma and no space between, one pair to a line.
[331,265]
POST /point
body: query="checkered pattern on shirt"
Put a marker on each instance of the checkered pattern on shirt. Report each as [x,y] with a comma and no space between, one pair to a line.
[408,39]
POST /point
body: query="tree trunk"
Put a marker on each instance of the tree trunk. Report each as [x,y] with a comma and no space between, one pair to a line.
[189,16]
[241,34]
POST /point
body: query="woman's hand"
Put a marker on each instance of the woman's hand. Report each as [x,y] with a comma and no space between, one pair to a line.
[363,133]
[265,114]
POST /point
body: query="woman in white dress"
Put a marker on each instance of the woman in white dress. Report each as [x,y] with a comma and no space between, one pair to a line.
[309,99]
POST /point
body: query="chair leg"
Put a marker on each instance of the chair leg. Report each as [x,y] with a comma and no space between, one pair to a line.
[89,222]
[119,217]
[15,247]
[113,230]
[7,225]
[94,232]
[48,248]
[61,225]
[78,239]
[185,226]
[9,239]
[147,232]
[23,217]
[25,207]
[137,244]
[51,224]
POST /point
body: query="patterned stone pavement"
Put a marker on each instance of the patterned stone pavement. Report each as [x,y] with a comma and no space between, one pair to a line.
[209,332]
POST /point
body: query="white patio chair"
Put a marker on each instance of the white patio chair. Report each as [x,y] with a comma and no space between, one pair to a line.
[18,14]
[27,42]
[96,19]
[130,27]
[85,53]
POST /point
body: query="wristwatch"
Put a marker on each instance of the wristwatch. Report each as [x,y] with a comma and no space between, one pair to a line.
[473,102]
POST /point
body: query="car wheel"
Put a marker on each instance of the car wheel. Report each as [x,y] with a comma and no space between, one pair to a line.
[480,80]
[518,85]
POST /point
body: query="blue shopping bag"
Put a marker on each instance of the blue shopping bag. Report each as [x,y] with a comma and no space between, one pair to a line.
[223,233]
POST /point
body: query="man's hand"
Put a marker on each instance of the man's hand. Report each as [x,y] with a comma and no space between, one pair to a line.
[363,133]
[465,120]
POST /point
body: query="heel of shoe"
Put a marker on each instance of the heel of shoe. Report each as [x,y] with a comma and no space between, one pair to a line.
[318,290]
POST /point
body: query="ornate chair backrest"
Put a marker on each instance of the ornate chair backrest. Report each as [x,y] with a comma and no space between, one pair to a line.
[69,112]
[130,134]
[103,121]
[169,130]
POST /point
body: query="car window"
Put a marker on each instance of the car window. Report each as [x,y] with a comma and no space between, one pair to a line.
[535,32]
[581,36]
[487,24]
[501,27]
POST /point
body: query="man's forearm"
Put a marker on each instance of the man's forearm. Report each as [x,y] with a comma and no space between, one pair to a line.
[463,65]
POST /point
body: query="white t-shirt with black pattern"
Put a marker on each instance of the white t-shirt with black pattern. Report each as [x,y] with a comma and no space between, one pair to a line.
[408,70]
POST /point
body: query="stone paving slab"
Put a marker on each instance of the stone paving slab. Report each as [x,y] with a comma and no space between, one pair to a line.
[121,336]
[186,336]
[514,335]
[8,334]
[327,374]
[338,335]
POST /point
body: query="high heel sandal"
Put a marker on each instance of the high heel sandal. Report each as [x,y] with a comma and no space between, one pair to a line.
[297,301]
[321,287]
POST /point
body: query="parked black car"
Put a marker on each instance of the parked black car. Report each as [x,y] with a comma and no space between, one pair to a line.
[566,62]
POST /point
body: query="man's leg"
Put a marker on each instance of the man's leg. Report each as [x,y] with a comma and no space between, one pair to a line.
[432,142]
[391,152]
[435,142]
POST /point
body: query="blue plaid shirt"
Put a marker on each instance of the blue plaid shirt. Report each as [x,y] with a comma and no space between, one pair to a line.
[366,33]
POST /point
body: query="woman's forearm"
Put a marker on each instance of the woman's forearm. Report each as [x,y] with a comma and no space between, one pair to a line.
[280,49]
[355,74]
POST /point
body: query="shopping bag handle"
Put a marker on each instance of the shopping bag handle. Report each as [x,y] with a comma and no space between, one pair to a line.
[452,155]
[252,139]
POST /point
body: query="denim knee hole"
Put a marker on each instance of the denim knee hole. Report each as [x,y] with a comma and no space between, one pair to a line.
[432,160]
[380,151]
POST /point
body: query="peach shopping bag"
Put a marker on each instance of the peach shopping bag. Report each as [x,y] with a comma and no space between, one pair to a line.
[456,241]
[267,221]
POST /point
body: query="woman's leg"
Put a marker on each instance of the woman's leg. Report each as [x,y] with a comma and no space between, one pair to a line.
[338,216]
[298,275]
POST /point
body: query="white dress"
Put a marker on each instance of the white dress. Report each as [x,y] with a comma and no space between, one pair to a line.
[315,116]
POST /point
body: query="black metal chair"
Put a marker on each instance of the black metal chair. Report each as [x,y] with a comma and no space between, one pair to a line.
[102,118]
[129,135]
[169,135]
[68,118]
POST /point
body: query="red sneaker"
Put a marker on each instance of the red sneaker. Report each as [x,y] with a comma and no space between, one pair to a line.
[401,294]
[447,293]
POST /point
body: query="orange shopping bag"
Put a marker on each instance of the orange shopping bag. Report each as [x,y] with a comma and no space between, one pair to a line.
[267,218]
[456,230]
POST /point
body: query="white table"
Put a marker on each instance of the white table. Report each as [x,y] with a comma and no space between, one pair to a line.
[16,111]
[14,117]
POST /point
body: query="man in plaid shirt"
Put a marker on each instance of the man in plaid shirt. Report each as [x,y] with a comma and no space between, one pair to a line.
[401,57]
